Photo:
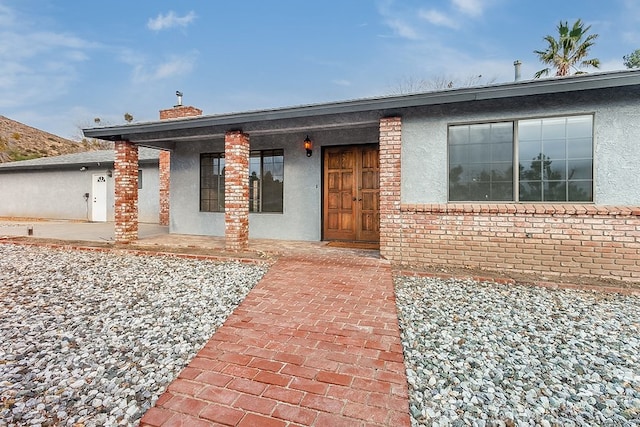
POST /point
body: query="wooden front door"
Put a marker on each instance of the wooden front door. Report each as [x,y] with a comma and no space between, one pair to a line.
[351,193]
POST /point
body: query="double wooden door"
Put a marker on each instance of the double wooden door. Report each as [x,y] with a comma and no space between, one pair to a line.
[351,208]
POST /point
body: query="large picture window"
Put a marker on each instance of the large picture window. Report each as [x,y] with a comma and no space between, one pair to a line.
[266,181]
[212,182]
[554,160]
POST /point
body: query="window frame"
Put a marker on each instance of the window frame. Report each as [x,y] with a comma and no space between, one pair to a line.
[261,154]
[514,121]
[219,189]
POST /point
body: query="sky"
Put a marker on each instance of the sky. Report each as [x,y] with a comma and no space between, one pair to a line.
[64,63]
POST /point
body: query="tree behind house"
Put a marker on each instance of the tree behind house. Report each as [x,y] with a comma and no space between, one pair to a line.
[632,60]
[569,51]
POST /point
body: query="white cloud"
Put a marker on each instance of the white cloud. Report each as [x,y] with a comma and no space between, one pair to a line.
[176,65]
[36,65]
[170,20]
[403,29]
[398,22]
[469,7]
[438,18]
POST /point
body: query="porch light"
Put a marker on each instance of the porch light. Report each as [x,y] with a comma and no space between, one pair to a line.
[308,145]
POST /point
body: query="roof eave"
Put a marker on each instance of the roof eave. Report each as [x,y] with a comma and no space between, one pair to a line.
[381,104]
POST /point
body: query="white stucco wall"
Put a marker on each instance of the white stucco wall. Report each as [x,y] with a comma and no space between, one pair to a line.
[59,194]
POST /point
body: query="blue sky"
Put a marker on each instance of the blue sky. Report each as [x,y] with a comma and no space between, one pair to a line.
[65,62]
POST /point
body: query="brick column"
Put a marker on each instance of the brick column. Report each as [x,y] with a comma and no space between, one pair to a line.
[126,191]
[390,184]
[164,168]
[236,191]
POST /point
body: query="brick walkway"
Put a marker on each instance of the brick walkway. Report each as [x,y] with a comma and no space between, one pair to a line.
[315,343]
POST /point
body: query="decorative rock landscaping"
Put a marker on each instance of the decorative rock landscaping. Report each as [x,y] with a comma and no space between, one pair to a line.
[93,338]
[483,354]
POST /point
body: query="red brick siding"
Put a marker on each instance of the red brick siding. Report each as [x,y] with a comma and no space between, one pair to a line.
[126,191]
[390,220]
[543,239]
[179,112]
[164,167]
[236,191]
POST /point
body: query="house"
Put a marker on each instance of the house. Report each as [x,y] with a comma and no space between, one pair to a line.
[532,176]
[75,186]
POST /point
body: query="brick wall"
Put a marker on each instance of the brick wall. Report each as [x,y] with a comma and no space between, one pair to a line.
[236,191]
[126,191]
[390,141]
[543,239]
[164,168]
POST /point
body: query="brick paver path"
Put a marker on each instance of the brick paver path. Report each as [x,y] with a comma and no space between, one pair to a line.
[315,343]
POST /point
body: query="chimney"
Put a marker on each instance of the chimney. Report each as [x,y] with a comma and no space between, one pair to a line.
[517,65]
[164,161]
[179,110]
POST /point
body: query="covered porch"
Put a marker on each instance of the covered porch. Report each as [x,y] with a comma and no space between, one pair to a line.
[225,150]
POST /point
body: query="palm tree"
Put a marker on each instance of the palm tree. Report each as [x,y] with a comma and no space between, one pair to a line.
[568,51]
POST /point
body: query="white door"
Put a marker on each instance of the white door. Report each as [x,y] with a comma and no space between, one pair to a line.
[99,195]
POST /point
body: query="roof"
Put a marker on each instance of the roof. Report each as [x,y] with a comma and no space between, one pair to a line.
[208,125]
[86,158]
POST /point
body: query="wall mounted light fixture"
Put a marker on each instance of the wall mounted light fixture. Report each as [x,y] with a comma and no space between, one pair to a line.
[308,145]
[84,168]
[109,173]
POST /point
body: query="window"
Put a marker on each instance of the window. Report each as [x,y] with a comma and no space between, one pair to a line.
[481,162]
[266,180]
[554,155]
[139,179]
[212,182]
[556,158]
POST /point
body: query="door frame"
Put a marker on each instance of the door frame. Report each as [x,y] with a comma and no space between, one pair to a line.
[357,221]
[99,197]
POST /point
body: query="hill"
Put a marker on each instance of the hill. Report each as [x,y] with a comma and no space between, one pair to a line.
[21,142]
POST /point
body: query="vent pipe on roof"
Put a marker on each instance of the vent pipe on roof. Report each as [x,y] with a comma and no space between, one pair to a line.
[517,65]
[179,95]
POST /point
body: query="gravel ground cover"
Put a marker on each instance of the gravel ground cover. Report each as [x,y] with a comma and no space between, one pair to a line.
[92,338]
[483,354]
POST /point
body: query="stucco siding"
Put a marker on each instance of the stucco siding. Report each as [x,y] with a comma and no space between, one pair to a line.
[301,213]
[59,194]
[148,195]
[45,194]
[616,132]
[185,216]
[301,218]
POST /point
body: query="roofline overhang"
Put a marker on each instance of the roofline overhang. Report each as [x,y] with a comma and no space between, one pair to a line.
[106,164]
[385,106]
